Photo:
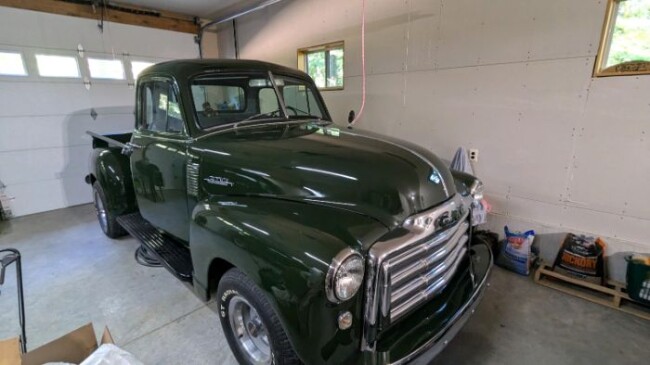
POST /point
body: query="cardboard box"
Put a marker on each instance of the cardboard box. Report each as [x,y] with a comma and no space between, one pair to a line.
[73,347]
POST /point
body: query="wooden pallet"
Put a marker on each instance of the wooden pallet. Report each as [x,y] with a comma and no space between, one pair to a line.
[612,295]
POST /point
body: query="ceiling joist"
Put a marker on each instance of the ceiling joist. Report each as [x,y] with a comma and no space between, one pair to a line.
[117,13]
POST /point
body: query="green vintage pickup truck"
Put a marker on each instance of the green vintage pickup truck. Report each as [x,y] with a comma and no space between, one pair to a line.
[319,244]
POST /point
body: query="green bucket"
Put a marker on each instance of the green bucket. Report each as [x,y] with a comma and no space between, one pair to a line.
[638,280]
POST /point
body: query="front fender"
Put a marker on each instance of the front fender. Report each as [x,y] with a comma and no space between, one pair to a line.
[112,171]
[286,248]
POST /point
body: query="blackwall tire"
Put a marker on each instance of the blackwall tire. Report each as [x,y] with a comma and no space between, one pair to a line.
[107,221]
[249,323]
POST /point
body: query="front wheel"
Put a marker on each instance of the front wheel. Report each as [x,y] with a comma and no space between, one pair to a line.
[250,324]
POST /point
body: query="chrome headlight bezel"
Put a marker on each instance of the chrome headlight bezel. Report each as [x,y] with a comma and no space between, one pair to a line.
[344,259]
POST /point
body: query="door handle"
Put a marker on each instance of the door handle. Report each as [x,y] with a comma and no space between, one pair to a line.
[129,148]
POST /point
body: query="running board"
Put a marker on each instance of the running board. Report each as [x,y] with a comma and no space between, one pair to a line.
[173,255]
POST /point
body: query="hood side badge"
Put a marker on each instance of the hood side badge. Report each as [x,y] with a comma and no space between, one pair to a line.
[217,180]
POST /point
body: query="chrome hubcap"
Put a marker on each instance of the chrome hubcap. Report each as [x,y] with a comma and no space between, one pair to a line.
[102,217]
[252,337]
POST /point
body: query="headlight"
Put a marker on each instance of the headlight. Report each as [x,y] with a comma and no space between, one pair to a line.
[345,276]
[477,190]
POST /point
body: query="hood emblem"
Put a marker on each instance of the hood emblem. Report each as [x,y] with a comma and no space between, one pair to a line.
[217,180]
[435,177]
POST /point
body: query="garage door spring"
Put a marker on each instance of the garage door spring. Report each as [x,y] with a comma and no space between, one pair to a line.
[145,258]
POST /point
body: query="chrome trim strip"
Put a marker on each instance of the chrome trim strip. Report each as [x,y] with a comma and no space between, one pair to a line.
[192,178]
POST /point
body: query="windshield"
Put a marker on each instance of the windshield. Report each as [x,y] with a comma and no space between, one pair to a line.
[221,100]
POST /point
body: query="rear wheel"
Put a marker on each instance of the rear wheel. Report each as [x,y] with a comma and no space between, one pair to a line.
[250,324]
[107,221]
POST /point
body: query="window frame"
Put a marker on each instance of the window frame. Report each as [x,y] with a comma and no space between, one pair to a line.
[140,112]
[642,68]
[327,47]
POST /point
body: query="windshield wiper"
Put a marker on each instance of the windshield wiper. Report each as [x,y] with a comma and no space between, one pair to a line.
[256,116]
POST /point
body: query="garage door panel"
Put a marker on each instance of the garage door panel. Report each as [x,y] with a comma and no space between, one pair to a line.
[41,98]
[44,164]
[37,196]
[150,42]
[25,133]
[111,95]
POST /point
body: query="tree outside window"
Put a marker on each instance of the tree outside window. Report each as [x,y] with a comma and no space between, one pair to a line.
[324,64]
[625,44]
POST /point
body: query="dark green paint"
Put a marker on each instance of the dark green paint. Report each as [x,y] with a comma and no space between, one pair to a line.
[287,200]
[286,247]
[111,169]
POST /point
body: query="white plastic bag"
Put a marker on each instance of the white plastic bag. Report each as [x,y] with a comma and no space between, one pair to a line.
[109,354]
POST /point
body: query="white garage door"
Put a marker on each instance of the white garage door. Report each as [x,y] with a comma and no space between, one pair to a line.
[51,94]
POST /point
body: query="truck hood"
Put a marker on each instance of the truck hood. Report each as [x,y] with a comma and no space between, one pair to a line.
[374,175]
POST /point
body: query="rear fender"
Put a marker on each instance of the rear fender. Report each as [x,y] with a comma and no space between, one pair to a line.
[112,171]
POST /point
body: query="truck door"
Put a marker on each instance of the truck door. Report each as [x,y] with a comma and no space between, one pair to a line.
[159,157]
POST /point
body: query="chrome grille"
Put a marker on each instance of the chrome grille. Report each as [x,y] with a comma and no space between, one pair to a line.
[414,263]
[424,270]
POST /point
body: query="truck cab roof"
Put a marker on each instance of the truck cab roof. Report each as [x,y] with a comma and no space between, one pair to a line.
[183,69]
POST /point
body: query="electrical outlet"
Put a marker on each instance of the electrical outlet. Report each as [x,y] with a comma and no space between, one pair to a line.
[473,155]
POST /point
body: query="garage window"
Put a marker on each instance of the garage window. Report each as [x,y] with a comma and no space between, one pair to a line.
[324,64]
[106,69]
[11,63]
[138,66]
[57,66]
[625,43]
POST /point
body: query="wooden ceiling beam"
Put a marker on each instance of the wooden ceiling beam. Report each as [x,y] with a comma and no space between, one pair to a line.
[162,20]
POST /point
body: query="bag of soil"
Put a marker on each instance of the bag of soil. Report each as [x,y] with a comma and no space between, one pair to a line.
[515,253]
[582,257]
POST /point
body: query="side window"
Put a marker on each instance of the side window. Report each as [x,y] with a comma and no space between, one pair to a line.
[161,110]
[268,100]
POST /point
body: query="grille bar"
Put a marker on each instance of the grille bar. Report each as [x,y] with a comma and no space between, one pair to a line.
[433,289]
[399,276]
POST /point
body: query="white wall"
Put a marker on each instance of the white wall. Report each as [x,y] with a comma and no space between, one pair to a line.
[43,146]
[559,150]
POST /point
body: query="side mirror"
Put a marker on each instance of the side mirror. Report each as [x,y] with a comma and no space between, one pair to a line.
[4,262]
[351,117]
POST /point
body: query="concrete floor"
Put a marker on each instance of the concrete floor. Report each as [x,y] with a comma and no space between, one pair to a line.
[75,275]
